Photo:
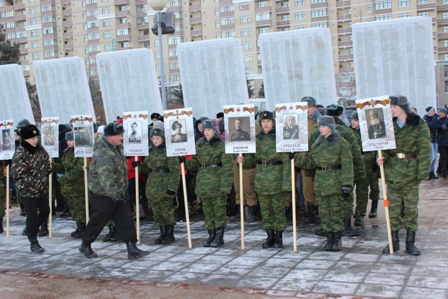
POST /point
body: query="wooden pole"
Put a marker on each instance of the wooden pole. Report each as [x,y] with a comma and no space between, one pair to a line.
[240,165]
[187,216]
[137,202]
[294,219]
[386,204]
[50,201]
[7,201]
[86,190]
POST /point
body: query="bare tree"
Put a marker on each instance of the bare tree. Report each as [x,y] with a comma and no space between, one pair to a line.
[97,99]
[34,100]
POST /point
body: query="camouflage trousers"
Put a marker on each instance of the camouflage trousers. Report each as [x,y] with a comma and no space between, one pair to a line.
[308,190]
[374,186]
[409,197]
[273,211]
[77,205]
[332,211]
[362,195]
[2,202]
[250,197]
[214,211]
[163,210]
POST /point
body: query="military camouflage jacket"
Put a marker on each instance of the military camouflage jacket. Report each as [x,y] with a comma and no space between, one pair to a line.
[412,138]
[72,181]
[368,157]
[108,172]
[330,151]
[271,179]
[30,169]
[212,181]
[159,182]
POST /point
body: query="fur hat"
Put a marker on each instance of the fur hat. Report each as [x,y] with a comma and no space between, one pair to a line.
[157,132]
[266,115]
[401,101]
[327,121]
[29,131]
[310,100]
[219,114]
[155,115]
[334,110]
[69,135]
[113,129]
[355,115]
[207,124]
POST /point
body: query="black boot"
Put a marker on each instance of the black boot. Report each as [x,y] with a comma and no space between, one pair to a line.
[65,212]
[1,226]
[278,243]
[219,239]
[395,243]
[374,209]
[43,229]
[134,252]
[252,214]
[337,244]
[35,247]
[309,215]
[237,217]
[169,237]
[330,240]
[24,231]
[76,231]
[320,232]
[316,215]
[269,242]
[162,235]
[22,209]
[110,237]
[359,219]
[410,247]
[433,176]
[87,250]
[211,237]
[350,231]
[80,230]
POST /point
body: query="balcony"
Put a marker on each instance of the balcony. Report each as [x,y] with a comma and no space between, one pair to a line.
[67,11]
[263,23]
[319,19]
[319,5]
[124,25]
[143,38]
[51,47]
[441,8]
[429,6]
[19,18]
[121,2]
[197,32]
[123,38]
[263,9]
[283,23]
[442,22]
[344,30]
[196,20]
[345,43]
[282,10]
[344,18]
[143,26]
[121,14]
[21,40]
[67,24]
[23,51]
[442,49]
[443,35]
[343,4]
[346,57]
[196,7]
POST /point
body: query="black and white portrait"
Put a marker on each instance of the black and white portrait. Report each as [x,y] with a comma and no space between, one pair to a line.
[239,128]
[135,129]
[290,127]
[375,123]
[178,131]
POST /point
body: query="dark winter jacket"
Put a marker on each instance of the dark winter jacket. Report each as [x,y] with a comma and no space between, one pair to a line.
[432,124]
[442,131]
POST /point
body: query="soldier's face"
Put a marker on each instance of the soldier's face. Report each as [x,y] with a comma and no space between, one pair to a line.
[396,110]
[238,124]
[267,125]
[290,121]
[156,140]
[311,110]
[32,141]
[115,140]
[209,133]
[355,124]
[325,131]
[178,128]
[70,143]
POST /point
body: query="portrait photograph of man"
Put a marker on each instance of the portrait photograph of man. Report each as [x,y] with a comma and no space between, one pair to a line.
[375,123]
[290,127]
[6,139]
[49,135]
[135,133]
[178,133]
[238,127]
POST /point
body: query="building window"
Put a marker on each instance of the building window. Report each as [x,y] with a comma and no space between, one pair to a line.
[106,10]
[368,8]
[125,45]
[383,4]
[123,20]
[320,12]
[247,58]
[107,34]
[423,14]
[124,31]
[34,33]
[35,45]
[403,3]
[262,16]
[319,25]
[174,65]
[218,35]
[36,56]
[92,12]
[383,17]
[244,6]
[216,11]
[445,29]
[299,3]
[174,40]
[217,24]
[300,15]
[49,30]
[445,43]
[140,8]
[177,15]
[446,82]
[263,30]
[32,10]
[245,19]
[262,4]
[227,8]
[298,27]
[285,17]
[445,2]
[318,1]
[106,23]
[228,33]
[175,77]
[33,22]
[404,15]
[245,32]
[172,53]
[227,21]
[246,45]
[48,19]
[49,42]
[172,3]
[420,2]
[142,20]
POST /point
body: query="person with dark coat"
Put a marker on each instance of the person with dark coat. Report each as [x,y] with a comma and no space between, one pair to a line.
[431,119]
[442,141]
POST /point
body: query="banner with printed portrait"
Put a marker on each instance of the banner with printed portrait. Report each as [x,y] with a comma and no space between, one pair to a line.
[7,146]
[83,134]
[135,137]
[375,123]
[239,123]
[292,127]
[50,135]
[179,132]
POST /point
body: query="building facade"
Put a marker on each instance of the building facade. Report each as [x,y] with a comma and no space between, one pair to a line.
[48,29]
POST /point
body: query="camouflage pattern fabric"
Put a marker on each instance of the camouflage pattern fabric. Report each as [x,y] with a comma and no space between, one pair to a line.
[159,182]
[30,171]
[214,211]
[330,151]
[403,176]
[273,211]
[108,173]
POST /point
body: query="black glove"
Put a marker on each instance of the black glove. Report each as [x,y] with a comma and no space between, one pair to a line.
[119,199]
[135,163]
[346,191]
[291,156]
[170,193]
[181,159]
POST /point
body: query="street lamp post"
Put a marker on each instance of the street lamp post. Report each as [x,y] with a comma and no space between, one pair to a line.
[158,5]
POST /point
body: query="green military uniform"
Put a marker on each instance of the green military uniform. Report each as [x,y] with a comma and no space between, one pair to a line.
[214,181]
[405,167]
[163,178]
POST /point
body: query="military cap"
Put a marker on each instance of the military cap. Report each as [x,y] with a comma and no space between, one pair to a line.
[113,129]
[310,100]
[355,115]
[155,115]
[207,124]
[400,101]
[219,114]
[69,135]
[328,121]
[157,132]
[334,110]
[29,131]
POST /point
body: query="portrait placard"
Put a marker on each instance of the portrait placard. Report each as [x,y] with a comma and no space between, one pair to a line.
[375,123]
[135,137]
[7,147]
[179,132]
[292,127]
[50,135]
[83,134]
[239,123]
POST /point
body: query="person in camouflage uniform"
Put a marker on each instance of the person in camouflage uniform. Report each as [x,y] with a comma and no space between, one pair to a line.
[371,172]
[331,157]
[72,184]
[213,181]
[2,197]
[404,169]
[30,169]
[161,186]
[272,180]
[108,182]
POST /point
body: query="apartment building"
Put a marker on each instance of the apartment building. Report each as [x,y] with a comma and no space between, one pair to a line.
[48,29]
